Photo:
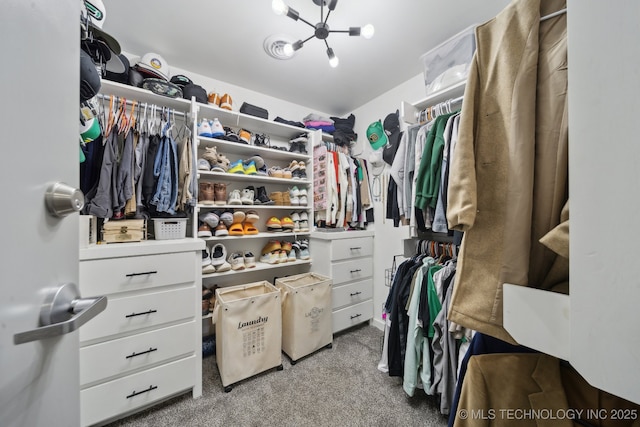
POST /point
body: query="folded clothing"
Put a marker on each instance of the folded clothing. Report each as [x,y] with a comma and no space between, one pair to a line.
[313,117]
[288,122]
[323,128]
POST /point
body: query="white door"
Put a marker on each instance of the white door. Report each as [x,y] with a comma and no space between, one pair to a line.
[39,75]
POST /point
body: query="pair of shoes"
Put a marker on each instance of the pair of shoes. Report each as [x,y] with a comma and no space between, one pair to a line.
[298,147]
[298,169]
[302,249]
[215,261]
[276,252]
[204,230]
[241,260]
[261,140]
[223,101]
[300,221]
[210,128]
[239,167]
[217,162]
[280,224]
[261,197]
[277,198]
[257,160]
[212,193]
[297,196]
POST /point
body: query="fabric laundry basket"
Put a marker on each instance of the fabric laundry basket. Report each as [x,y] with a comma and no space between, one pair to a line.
[306,314]
[248,330]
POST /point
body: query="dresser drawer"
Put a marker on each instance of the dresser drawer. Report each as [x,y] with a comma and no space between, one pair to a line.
[128,314]
[347,271]
[352,315]
[343,249]
[118,357]
[353,293]
[113,275]
[126,394]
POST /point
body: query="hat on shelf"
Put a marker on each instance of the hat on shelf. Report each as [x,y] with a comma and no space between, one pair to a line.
[153,65]
[376,136]
[95,40]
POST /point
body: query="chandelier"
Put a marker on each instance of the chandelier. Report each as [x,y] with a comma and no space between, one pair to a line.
[320,30]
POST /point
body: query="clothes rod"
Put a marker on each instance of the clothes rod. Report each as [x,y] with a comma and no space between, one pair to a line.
[140,104]
[554,14]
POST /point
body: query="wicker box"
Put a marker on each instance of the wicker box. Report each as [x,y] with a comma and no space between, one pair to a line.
[124,230]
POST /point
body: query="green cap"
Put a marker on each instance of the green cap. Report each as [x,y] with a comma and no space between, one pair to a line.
[376,136]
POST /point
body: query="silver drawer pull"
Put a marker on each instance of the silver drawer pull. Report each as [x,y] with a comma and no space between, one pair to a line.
[146,273]
[134,354]
[353,294]
[357,315]
[141,314]
[356,248]
[135,393]
[355,271]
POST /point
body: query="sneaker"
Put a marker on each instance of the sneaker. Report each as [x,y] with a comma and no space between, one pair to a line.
[230,135]
[221,164]
[291,256]
[225,266]
[247,197]
[249,229]
[303,216]
[259,161]
[238,216]
[207,268]
[226,102]
[245,136]
[304,226]
[286,173]
[206,193]
[262,198]
[236,229]
[293,166]
[282,257]
[203,165]
[234,198]
[209,218]
[216,129]
[294,192]
[210,155]
[221,230]
[261,140]
[304,250]
[295,147]
[274,224]
[302,201]
[287,224]
[302,174]
[236,260]
[296,227]
[294,199]
[271,246]
[250,169]
[249,259]
[218,255]
[286,246]
[236,167]
[251,216]
[226,218]
[262,171]
[220,193]
[269,258]
[204,129]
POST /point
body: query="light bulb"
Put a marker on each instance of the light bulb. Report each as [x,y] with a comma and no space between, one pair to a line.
[334,62]
[288,49]
[367,31]
[279,7]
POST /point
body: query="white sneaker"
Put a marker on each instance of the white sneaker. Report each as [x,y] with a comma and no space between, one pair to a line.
[218,255]
[204,129]
[234,198]
[304,226]
[207,268]
[295,216]
[304,216]
[294,192]
[302,201]
[269,258]
[237,261]
[216,129]
[282,257]
[247,197]
[292,256]
[249,259]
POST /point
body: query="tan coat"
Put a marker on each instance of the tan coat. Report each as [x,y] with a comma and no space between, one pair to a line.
[491,183]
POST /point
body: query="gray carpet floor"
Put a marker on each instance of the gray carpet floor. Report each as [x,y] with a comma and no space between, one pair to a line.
[338,386]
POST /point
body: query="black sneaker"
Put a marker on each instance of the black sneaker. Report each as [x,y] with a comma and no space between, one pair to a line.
[262,198]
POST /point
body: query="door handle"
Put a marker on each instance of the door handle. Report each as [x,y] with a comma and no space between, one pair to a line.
[62,312]
[62,199]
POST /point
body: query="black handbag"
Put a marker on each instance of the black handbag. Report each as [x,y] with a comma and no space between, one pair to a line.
[253,110]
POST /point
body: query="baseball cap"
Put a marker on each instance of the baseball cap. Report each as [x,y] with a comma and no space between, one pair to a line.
[94,13]
[376,136]
[153,65]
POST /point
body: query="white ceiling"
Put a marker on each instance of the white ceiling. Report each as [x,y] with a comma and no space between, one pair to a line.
[223,39]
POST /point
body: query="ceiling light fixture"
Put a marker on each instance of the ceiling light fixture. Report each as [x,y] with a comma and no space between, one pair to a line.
[320,30]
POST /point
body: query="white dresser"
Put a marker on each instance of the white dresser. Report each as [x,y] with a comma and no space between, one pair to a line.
[346,257]
[146,346]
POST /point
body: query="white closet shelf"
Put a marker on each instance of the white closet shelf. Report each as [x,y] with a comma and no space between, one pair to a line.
[249,179]
[408,111]
[229,147]
[251,123]
[256,207]
[109,87]
[538,319]
[263,235]
[260,266]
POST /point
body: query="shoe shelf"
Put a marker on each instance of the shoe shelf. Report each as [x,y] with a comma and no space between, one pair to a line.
[260,266]
[240,149]
[239,177]
[261,235]
[256,206]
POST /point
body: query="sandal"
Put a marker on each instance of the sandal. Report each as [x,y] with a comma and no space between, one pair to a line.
[236,229]
[249,228]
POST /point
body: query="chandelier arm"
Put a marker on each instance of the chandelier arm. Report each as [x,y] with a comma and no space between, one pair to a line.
[308,38]
[327,18]
[339,31]
[306,22]
[322,11]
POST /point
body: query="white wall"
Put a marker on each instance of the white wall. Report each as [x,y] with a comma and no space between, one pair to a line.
[388,239]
